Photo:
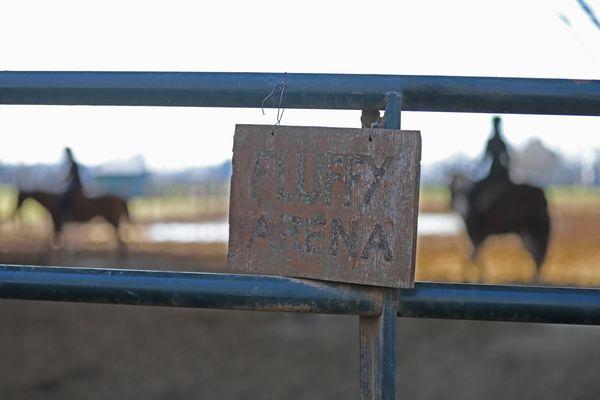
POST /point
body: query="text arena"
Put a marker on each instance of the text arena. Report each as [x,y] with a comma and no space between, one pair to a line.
[325,203]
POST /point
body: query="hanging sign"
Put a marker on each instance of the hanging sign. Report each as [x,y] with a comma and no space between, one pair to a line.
[335,204]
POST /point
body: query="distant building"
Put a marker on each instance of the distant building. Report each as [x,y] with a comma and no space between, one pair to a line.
[537,165]
[124,178]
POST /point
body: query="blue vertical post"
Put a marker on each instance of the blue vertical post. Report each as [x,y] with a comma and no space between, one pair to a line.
[393,107]
[378,335]
[378,350]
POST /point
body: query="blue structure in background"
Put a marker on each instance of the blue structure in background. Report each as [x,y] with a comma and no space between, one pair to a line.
[126,179]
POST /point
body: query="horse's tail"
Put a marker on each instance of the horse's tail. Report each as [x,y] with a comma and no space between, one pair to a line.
[540,227]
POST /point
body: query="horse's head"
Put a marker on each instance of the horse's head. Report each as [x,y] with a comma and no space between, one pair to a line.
[460,186]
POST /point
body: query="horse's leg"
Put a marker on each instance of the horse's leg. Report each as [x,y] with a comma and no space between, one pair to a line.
[536,244]
[56,239]
[121,245]
[122,249]
[474,252]
[471,265]
[476,240]
[55,244]
[542,238]
[531,245]
[476,260]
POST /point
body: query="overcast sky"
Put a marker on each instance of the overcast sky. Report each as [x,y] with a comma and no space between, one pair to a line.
[480,38]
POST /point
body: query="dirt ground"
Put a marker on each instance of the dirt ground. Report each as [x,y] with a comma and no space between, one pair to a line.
[85,351]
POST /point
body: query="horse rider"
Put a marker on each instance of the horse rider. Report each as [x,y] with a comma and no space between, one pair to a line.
[497,150]
[485,192]
[73,183]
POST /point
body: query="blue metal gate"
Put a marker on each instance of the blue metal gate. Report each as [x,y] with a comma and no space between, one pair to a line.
[378,308]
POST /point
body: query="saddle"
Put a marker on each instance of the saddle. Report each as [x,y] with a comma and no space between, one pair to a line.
[486,192]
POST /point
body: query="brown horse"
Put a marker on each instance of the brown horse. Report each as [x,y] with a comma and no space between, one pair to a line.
[81,208]
[491,207]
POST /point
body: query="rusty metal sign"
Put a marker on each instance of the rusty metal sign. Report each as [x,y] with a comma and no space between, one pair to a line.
[325,203]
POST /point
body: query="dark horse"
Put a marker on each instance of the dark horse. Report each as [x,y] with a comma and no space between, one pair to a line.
[490,207]
[81,208]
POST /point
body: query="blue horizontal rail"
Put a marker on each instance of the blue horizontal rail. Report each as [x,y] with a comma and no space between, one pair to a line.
[182,289]
[318,91]
[268,293]
[501,303]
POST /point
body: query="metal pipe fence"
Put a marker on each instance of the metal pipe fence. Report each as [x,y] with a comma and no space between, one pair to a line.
[281,294]
[316,91]
[377,308]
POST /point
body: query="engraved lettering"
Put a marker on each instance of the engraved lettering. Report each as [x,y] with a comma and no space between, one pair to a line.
[352,176]
[303,196]
[333,161]
[259,170]
[280,183]
[338,232]
[261,231]
[314,237]
[378,173]
[291,226]
[377,239]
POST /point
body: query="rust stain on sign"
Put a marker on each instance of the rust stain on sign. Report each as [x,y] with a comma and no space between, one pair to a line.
[325,203]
